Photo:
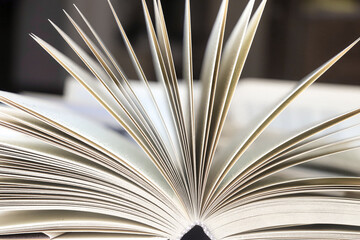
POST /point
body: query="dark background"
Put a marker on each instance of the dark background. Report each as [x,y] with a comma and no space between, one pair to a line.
[294,37]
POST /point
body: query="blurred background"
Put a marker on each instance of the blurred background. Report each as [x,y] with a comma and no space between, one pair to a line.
[294,37]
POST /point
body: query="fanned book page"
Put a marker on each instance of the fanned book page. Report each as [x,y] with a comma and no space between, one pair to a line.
[68,177]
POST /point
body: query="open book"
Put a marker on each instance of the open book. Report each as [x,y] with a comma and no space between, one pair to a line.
[71,178]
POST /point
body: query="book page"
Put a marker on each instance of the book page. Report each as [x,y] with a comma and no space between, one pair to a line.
[208,78]
[95,135]
[68,220]
[287,211]
[226,171]
[105,236]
